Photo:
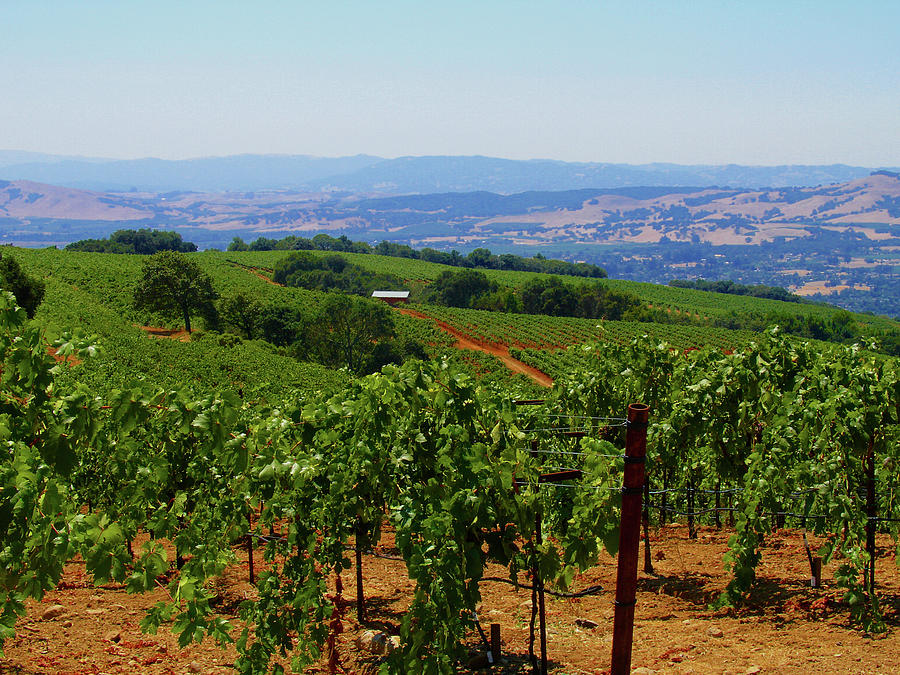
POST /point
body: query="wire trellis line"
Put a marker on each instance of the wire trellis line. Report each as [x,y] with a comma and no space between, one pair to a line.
[590,590]
[726,491]
[571,486]
[765,514]
[570,429]
[622,421]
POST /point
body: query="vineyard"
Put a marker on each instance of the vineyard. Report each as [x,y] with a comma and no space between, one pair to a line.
[555,332]
[702,304]
[161,465]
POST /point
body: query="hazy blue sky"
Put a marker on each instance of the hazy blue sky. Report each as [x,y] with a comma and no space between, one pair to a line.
[754,82]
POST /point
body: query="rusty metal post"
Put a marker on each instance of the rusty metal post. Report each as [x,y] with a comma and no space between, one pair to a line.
[629,538]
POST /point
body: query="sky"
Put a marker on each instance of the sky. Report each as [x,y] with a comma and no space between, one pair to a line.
[699,82]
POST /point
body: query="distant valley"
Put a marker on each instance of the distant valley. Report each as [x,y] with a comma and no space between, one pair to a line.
[840,241]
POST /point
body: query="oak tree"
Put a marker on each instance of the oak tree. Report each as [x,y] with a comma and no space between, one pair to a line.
[171,282]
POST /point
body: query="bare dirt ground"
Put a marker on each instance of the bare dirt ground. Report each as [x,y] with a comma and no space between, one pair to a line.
[464,341]
[70,360]
[814,287]
[167,333]
[786,627]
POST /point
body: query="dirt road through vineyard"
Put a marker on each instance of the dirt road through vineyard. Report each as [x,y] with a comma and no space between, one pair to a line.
[464,341]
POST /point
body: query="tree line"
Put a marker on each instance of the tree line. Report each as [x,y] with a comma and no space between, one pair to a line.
[136,242]
[478,258]
[734,288]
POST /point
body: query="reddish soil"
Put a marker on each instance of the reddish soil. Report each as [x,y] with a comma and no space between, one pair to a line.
[501,351]
[70,360]
[167,333]
[787,627]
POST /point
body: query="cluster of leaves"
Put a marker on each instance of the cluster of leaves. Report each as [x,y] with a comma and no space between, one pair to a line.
[142,242]
[787,423]
[40,525]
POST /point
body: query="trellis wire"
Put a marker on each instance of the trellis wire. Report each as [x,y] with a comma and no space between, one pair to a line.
[767,514]
[574,453]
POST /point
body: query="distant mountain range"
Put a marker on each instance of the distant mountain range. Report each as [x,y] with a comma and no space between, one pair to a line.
[403,175]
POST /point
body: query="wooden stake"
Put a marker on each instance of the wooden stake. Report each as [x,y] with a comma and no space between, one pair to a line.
[495,641]
[816,580]
[629,538]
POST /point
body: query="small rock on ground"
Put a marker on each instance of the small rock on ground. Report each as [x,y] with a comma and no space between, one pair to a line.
[52,612]
[586,623]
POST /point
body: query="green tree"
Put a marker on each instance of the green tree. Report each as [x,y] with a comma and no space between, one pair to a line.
[281,325]
[171,282]
[461,288]
[238,244]
[482,257]
[347,330]
[241,312]
[28,291]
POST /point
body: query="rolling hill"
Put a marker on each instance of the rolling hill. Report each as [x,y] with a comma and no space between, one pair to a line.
[841,239]
[869,205]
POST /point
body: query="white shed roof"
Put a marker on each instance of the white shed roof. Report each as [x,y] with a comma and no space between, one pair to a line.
[390,294]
